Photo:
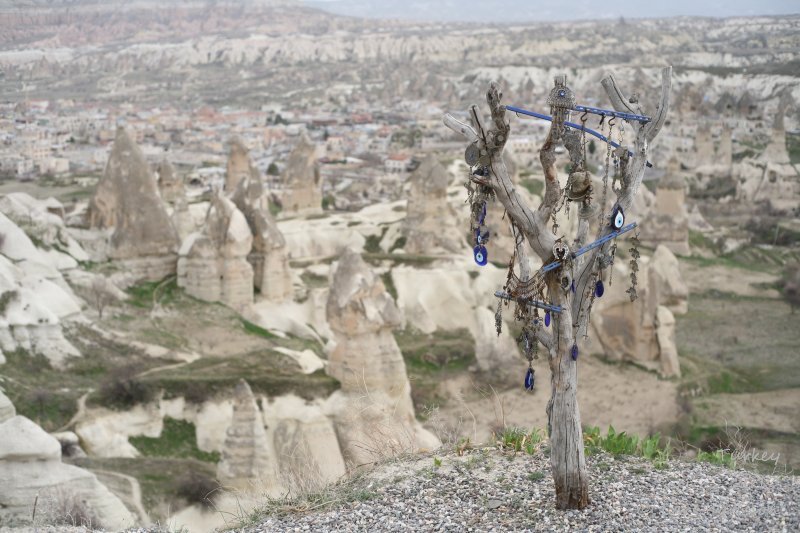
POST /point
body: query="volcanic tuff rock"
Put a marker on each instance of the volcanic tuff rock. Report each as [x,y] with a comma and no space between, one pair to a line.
[268,256]
[239,165]
[373,411]
[30,467]
[34,298]
[170,185]
[430,223]
[667,282]
[642,331]
[6,408]
[301,181]
[127,198]
[668,223]
[246,461]
[213,262]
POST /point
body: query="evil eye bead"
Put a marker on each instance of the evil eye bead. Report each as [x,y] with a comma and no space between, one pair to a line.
[562,92]
[618,218]
[547,319]
[529,379]
[599,289]
[481,257]
[574,352]
[482,235]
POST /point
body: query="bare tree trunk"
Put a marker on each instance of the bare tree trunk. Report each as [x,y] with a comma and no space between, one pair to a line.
[563,417]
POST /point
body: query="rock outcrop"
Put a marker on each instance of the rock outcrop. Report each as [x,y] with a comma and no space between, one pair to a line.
[34,297]
[703,146]
[212,264]
[271,273]
[770,177]
[643,331]
[668,223]
[31,470]
[246,462]
[7,409]
[144,240]
[430,225]
[170,185]
[666,280]
[373,410]
[301,180]
[239,165]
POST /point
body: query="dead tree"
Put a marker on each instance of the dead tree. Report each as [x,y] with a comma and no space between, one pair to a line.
[570,280]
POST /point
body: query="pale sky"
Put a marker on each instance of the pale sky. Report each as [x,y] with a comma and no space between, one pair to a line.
[546,10]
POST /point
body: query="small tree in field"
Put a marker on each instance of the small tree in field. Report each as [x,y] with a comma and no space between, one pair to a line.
[101,295]
[567,285]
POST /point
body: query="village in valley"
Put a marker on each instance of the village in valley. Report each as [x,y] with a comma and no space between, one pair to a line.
[236,254]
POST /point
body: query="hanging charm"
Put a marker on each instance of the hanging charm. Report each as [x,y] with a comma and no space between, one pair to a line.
[529,379]
[599,290]
[574,352]
[634,264]
[617,217]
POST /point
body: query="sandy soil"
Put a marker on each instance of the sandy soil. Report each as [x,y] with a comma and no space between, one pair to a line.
[624,396]
[774,410]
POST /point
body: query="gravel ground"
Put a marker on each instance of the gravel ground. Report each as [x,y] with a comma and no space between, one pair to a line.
[486,490]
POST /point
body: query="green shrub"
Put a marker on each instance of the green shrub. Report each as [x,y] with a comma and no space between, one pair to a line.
[518,439]
[178,439]
[717,457]
[620,443]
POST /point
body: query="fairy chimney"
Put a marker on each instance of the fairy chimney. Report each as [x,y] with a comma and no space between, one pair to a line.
[268,257]
[668,223]
[170,185]
[213,262]
[246,463]
[127,199]
[430,223]
[239,165]
[375,393]
[301,181]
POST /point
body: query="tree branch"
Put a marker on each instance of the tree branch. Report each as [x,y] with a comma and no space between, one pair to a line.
[490,142]
[545,338]
[632,169]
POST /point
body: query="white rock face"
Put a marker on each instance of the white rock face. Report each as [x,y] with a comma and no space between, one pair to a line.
[6,408]
[35,298]
[447,298]
[105,433]
[213,263]
[43,218]
[30,466]
[305,443]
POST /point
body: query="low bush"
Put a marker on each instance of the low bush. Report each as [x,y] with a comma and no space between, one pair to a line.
[123,388]
[198,488]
